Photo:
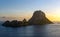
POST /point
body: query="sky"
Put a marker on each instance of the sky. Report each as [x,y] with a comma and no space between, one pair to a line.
[20,9]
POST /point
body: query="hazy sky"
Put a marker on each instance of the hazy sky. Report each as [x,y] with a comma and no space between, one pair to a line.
[13,9]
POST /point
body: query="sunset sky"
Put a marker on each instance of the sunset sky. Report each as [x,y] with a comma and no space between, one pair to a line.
[19,9]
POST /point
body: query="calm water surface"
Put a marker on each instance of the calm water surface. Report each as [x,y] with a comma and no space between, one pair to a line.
[51,30]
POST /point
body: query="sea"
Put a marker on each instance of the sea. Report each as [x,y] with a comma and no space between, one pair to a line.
[49,30]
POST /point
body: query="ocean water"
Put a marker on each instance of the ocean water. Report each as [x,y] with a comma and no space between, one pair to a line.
[50,30]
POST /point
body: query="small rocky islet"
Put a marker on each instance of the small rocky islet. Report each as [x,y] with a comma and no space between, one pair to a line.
[38,18]
[15,23]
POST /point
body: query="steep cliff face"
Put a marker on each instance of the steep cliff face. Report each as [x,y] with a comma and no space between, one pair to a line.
[39,18]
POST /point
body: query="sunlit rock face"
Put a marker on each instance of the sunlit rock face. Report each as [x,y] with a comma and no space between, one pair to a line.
[39,18]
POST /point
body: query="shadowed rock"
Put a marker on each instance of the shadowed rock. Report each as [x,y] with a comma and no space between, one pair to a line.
[39,18]
[25,23]
[13,23]
[6,23]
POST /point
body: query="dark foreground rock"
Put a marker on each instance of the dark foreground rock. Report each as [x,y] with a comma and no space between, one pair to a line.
[15,23]
[39,18]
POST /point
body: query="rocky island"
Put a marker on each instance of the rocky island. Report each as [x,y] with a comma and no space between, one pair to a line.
[15,23]
[38,18]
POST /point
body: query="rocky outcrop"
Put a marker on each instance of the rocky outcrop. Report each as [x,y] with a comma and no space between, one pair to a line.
[15,23]
[39,18]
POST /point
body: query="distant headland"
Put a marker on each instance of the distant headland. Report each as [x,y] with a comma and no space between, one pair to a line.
[38,18]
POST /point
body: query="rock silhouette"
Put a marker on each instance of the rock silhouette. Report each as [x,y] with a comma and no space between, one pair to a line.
[24,22]
[39,18]
[13,23]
